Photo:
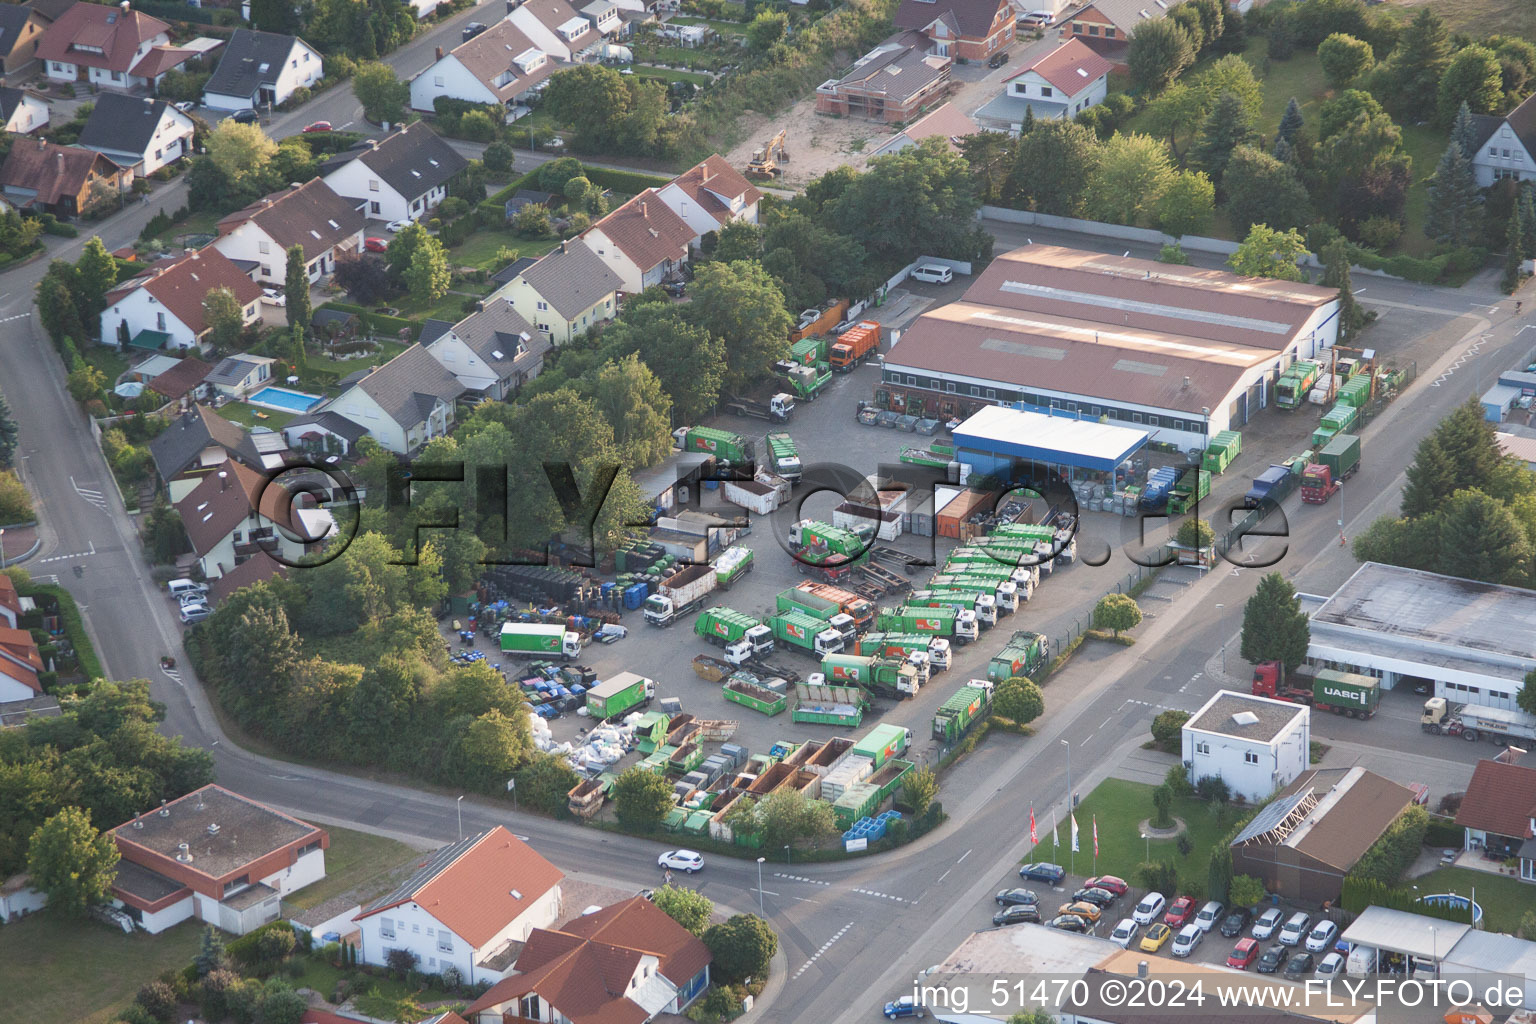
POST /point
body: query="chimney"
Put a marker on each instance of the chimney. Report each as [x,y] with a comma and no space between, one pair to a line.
[439,53]
[124,5]
[1141,968]
[562,247]
[1186,385]
[643,212]
[183,853]
[224,476]
[165,812]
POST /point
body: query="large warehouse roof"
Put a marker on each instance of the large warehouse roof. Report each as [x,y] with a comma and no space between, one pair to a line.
[1352,808]
[1050,439]
[1401,932]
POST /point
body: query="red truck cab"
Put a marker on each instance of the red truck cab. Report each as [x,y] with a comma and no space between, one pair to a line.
[1317,484]
[1269,681]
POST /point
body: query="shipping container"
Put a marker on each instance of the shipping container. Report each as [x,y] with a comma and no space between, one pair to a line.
[618,694]
[882,743]
[951,519]
[755,697]
[1223,448]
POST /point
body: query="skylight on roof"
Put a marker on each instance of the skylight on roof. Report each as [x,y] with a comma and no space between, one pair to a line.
[497,354]
[265,67]
[333,224]
[415,174]
[315,233]
[1080,71]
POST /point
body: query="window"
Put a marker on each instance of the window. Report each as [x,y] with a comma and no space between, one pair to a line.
[949,386]
[159,321]
[230,888]
[266,271]
[431,961]
[264,247]
[416,928]
[543,306]
[1151,421]
[157,154]
[1109,32]
[386,927]
[373,207]
[1251,757]
[1202,747]
[528,1006]
[437,80]
[1493,150]
[1504,153]
[373,184]
[1046,90]
[1077,28]
[1093,30]
[445,941]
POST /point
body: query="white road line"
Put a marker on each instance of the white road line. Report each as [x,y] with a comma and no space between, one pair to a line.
[824,947]
[964,855]
[17,316]
[945,875]
[768,892]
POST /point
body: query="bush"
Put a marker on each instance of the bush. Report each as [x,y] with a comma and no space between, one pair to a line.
[1380,232]
[400,962]
[1167,730]
[159,999]
[452,207]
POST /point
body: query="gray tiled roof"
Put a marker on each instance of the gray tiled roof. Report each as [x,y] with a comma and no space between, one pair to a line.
[409,386]
[414,160]
[335,422]
[496,334]
[231,370]
[121,124]
[193,431]
[432,329]
[248,52]
[572,278]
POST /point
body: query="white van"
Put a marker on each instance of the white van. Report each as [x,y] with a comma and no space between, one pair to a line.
[933,273]
[181,588]
[1295,929]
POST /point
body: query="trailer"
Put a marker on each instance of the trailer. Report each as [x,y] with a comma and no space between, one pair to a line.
[755,697]
[875,581]
[983,603]
[784,456]
[1473,723]
[965,707]
[1343,693]
[1023,655]
[1336,462]
[1224,447]
[618,694]
[1274,484]
[682,592]
[858,608]
[534,639]
[775,408]
[818,322]
[843,716]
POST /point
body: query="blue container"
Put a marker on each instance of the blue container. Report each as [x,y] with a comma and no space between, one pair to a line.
[710,485]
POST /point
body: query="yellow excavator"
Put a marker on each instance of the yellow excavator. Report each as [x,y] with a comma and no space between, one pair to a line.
[765,161]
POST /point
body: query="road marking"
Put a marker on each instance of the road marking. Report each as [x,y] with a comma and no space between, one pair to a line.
[767,892]
[18,316]
[344,127]
[1468,354]
[1186,686]
[799,878]
[880,895]
[824,947]
[90,494]
[60,558]
[964,855]
[945,875]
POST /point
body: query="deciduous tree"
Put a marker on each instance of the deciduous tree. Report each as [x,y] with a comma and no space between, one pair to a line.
[688,908]
[428,276]
[1245,891]
[8,434]
[740,304]
[383,96]
[1116,612]
[766,29]
[1473,77]
[72,862]
[221,312]
[97,273]
[241,152]
[920,200]
[1344,59]
[1131,176]
[742,947]
[1266,252]
[918,788]
[1019,699]
[1159,52]
[641,799]
[1053,166]
[631,398]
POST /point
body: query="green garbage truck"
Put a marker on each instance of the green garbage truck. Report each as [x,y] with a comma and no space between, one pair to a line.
[724,445]
[876,673]
[963,709]
[1023,655]
[801,631]
[948,622]
[784,456]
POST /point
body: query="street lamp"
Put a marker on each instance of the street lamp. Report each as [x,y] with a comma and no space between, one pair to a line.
[786,854]
[459,803]
[1148,838]
[760,886]
[2,547]
[1070,805]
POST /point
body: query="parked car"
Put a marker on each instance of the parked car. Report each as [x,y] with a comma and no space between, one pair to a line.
[1209,915]
[1268,921]
[1236,920]
[396,226]
[998,60]
[1331,966]
[182,587]
[1188,938]
[906,1006]
[471,30]
[316,126]
[275,296]
[1052,873]
[1272,960]
[1070,923]
[1110,882]
[1081,909]
[1124,932]
[1016,915]
[376,244]
[1180,912]
[193,597]
[1155,937]
[1295,929]
[933,273]
[185,106]
[680,860]
[1299,965]
[1149,908]
[1243,954]
[1320,938]
[1018,898]
[1098,897]
[194,611]
[245,117]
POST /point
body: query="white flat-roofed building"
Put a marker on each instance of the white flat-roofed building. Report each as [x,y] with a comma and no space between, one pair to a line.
[1254,744]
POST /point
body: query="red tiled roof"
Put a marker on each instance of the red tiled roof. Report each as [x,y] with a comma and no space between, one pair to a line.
[647,231]
[947,120]
[181,286]
[19,658]
[586,981]
[1071,67]
[216,506]
[640,924]
[116,32]
[159,60]
[253,570]
[713,177]
[53,171]
[181,378]
[1501,798]
[8,596]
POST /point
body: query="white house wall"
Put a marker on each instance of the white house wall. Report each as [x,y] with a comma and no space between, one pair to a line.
[306,870]
[303,68]
[13,689]
[1279,761]
[545,38]
[155,922]
[1451,683]
[449,77]
[685,206]
[418,931]
[143,313]
[30,115]
[460,360]
[632,279]
[1491,159]
[357,406]
[362,184]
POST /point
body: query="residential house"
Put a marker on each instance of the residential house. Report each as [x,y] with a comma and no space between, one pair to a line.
[258,568]
[198,443]
[643,242]
[143,135]
[564,293]
[945,121]
[711,194]
[893,82]
[163,307]
[507,273]
[61,180]
[109,46]
[20,665]
[238,376]
[311,215]
[627,963]
[500,66]
[20,29]
[555,27]
[1498,813]
[10,603]
[404,404]
[1060,84]
[1253,744]
[1506,146]
[323,433]
[215,856]
[400,177]
[183,380]
[493,352]
[604,17]
[960,29]
[21,112]
[236,513]
[1106,25]
[471,905]
[261,69]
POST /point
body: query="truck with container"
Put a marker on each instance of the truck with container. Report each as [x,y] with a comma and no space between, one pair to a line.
[876,673]
[1004,594]
[800,631]
[725,445]
[1338,420]
[758,698]
[1274,484]
[946,622]
[1335,463]
[860,608]
[784,457]
[1194,485]
[777,407]
[934,648]
[964,708]
[854,345]
[883,743]
[1023,655]
[732,565]
[1226,446]
[814,322]
[1343,693]
[810,350]
[682,592]
[620,693]
[806,382]
[1294,384]
[726,626]
[1011,586]
[829,612]
[1472,722]
[983,603]
[1154,494]
[935,456]
[535,639]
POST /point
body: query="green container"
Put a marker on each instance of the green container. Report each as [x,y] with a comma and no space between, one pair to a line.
[1337,420]
[809,351]
[837,540]
[1348,692]
[723,625]
[1224,448]
[722,444]
[755,697]
[1356,391]
[882,743]
[840,715]
[793,600]
[1192,486]
[858,801]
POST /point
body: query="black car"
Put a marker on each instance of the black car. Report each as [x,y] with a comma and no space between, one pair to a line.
[1016,915]
[1018,898]
[471,30]
[1098,897]
[1070,923]
[1052,873]
[1299,965]
[1272,960]
[1233,924]
[998,60]
[246,116]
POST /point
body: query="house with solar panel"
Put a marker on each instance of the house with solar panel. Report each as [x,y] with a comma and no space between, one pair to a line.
[1253,744]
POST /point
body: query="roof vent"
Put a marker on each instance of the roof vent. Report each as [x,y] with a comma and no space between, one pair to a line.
[1141,968]
[165,812]
[213,828]
[1186,385]
[138,823]
[1245,718]
[515,894]
[183,853]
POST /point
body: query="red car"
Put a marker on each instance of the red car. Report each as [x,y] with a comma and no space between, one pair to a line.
[1180,913]
[1244,954]
[376,244]
[1110,882]
[318,126]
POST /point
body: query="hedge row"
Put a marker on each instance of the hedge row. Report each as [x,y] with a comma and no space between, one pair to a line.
[379,323]
[632,182]
[497,201]
[74,626]
[1423,270]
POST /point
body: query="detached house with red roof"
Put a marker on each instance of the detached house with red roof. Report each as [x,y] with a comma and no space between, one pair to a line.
[1498,814]
[471,905]
[163,307]
[109,45]
[710,195]
[20,665]
[1061,84]
[237,515]
[960,29]
[624,964]
[643,241]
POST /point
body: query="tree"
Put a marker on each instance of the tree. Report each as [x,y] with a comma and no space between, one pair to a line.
[641,799]
[1526,697]
[1464,132]
[493,746]
[1514,244]
[1454,216]
[221,312]
[1274,626]
[470,183]
[1245,891]
[532,221]
[1167,730]
[1159,52]
[1481,539]
[1270,253]
[97,273]
[1344,59]
[1162,800]
[1336,274]
[210,955]
[1338,113]
[690,909]
[383,96]
[498,157]
[296,289]
[738,240]
[630,397]
[428,276]
[57,309]
[1159,876]
[281,1004]
[241,152]
[158,1000]
[741,947]
[1220,871]
[1414,67]
[739,303]
[1195,533]
[1227,127]
[766,29]
[1475,78]
[1132,174]
[594,100]
[918,789]
[72,862]
[275,16]
[921,200]
[1051,170]
[364,276]
[788,818]
[1019,699]
[9,433]
[1291,121]
[85,381]
[1116,612]
[687,359]
[1527,208]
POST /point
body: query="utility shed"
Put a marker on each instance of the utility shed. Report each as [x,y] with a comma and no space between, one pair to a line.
[663,484]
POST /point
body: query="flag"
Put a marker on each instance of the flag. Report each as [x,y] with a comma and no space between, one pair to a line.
[1055,840]
[1095,835]
[1033,837]
[1073,816]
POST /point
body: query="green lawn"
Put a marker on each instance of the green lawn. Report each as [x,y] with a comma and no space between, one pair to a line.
[250,416]
[681,55]
[1120,807]
[380,994]
[479,249]
[1479,18]
[353,860]
[82,972]
[387,351]
[107,359]
[1504,898]
[664,75]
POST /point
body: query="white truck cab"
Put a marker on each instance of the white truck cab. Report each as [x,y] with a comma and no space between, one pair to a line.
[922,664]
[830,641]
[1007,597]
[986,609]
[938,653]
[843,624]
[965,626]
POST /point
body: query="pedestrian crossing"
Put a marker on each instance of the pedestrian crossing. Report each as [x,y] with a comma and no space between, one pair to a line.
[824,947]
[63,558]
[799,878]
[880,895]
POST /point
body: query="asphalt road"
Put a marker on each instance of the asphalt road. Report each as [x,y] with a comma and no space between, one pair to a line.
[853,933]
